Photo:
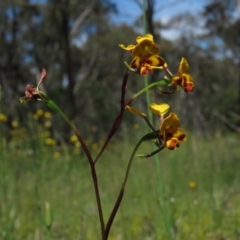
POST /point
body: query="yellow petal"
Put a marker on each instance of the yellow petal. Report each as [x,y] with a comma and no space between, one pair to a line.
[170,124]
[172,143]
[159,109]
[128,48]
[135,62]
[145,69]
[135,111]
[180,135]
[187,82]
[156,61]
[145,48]
[183,66]
[177,79]
[147,36]
[3,117]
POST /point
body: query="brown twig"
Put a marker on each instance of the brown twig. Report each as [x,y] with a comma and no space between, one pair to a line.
[118,118]
[227,121]
[95,180]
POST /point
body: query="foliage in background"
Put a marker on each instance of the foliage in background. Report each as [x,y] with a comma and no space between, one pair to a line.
[76,41]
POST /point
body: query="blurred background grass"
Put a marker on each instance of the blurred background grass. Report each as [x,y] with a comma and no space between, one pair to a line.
[201,188]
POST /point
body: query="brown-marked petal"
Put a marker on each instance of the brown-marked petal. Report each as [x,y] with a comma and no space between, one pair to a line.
[183,66]
[170,124]
[136,62]
[172,143]
[145,49]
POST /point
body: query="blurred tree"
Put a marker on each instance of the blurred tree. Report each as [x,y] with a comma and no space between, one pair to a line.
[77,42]
[209,42]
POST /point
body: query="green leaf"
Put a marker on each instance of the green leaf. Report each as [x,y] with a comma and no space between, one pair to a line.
[163,82]
[149,136]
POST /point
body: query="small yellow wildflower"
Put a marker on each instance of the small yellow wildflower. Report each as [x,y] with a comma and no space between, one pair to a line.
[77,144]
[73,139]
[46,134]
[50,142]
[136,126]
[192,185]
[56,154]
[39,112]
[3,117]
[47,124]
[47,115]
[15,124]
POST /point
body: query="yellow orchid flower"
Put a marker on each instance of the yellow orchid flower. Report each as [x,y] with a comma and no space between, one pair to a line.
[183,78]
[171,132]
[145,55]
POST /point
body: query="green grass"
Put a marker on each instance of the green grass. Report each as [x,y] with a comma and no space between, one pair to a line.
[30,178]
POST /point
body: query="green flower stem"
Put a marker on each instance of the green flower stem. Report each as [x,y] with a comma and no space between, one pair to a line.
[121,193]
[146,88]
[54,107]
[160,184]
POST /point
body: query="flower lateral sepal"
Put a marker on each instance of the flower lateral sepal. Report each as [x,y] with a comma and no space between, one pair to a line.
[134,70]
[135,111]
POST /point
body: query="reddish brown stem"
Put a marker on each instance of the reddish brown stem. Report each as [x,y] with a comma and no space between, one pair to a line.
[118,119]
[95,181]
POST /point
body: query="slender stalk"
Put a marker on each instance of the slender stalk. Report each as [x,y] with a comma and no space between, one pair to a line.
[118,119]
[95,182]
[121,193]
[145,89]
[53,106]
[160,184]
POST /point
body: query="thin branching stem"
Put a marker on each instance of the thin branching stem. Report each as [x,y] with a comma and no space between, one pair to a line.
[52,105]
[121,193]
[118,119]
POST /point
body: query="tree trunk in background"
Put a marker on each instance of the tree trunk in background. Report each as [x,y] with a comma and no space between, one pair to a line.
[67,51]
[238,6]
[149,16]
